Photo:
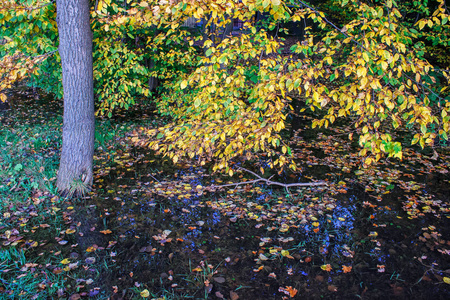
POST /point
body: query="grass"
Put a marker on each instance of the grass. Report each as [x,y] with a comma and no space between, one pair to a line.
[22,277]
[33,215]
[28,160]
[40,231]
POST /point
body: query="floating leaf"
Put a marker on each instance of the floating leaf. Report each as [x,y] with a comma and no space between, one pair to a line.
[262,257]
[332,288]
[326,267]
[219,279]
[347,269]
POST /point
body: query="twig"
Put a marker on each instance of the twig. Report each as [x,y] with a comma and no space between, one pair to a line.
[270,182]
[154,177]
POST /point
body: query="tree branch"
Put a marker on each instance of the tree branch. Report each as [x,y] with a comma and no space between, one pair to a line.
[270,182]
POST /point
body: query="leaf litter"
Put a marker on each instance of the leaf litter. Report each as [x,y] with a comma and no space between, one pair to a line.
[249,240]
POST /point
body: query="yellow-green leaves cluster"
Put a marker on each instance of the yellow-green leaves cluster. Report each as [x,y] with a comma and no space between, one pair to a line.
[27,35]
[236,101]
[380,81]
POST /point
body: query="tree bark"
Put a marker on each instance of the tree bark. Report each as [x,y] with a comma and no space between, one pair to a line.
[75,173]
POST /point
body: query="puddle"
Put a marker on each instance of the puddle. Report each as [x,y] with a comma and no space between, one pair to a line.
[174,238]
[382,232]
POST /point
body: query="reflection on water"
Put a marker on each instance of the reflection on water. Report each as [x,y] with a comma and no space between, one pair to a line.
[173,237]
[177,238]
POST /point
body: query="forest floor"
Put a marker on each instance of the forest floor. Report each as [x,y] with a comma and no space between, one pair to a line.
[152,229]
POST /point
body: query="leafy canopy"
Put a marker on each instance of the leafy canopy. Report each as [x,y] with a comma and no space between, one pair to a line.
[235,102]
[229,94]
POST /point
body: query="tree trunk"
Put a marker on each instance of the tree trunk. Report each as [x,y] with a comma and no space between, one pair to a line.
[152,81]
[75,173]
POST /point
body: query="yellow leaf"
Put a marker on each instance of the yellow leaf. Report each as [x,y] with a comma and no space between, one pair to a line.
[183,84]
[366,57]
[421,24]
[446,280]
[145,293]
[100,6]
[65,261]
[364,81]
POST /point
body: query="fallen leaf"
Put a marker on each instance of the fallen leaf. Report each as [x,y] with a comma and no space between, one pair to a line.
[292,291]
[145,293]
[347,269]
[90,260]
[234,295]
[219,279]
[326,267]
[332,288]
[262,257]
[75,297]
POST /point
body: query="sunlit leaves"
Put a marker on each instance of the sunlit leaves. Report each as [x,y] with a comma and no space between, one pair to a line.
[229,96]
[28,31]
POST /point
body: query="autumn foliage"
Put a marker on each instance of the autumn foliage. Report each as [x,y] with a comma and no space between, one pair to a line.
[229,94]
